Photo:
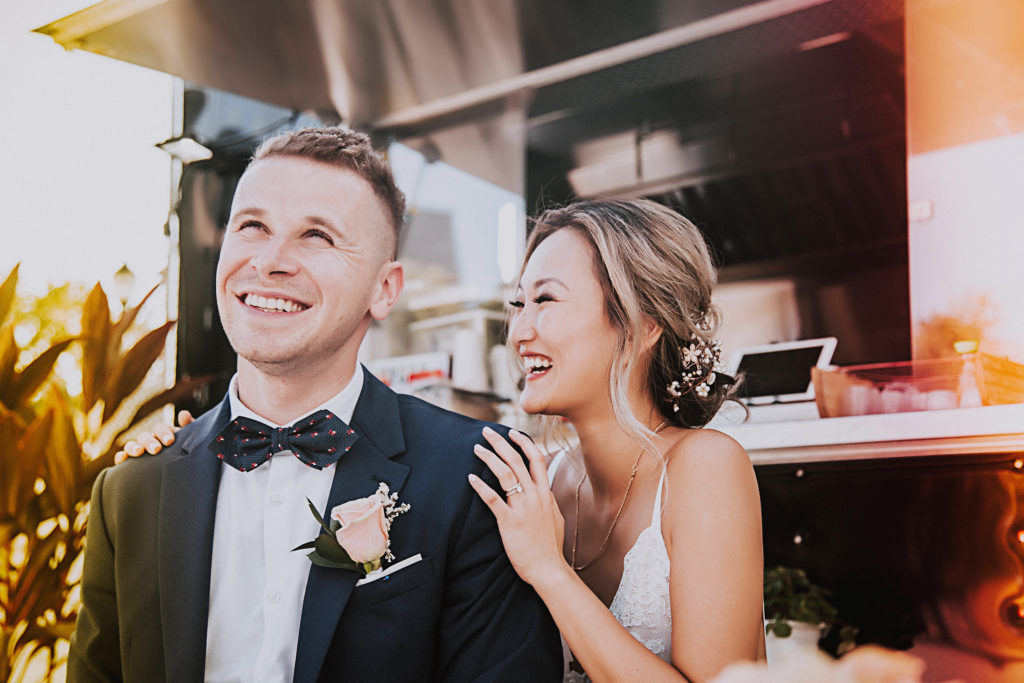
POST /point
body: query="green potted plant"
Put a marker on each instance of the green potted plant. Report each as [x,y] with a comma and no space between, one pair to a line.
[794,605]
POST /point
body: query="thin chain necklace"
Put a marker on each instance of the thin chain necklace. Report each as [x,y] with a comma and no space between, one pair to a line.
[625,497]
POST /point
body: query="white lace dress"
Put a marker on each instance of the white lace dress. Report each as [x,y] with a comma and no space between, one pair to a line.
[641,602]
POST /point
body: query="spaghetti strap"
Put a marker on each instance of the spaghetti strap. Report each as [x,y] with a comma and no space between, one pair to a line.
[553,467]
[656,513]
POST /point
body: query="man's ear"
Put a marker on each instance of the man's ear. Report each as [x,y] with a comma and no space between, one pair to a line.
[390,281]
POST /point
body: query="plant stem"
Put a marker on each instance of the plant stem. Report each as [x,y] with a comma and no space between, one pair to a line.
[5,661]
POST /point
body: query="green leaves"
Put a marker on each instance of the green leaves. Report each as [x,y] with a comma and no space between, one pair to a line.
[107,374]
[18,474]
[64,468]
[779,628]
[95,344]
[20,387]
[789,594]
[8,359]
[183,388]
[7,293]
[327,552]
[128,371]
[319,519]
[45,475]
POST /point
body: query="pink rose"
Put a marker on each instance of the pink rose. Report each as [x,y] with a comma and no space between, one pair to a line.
[363,533]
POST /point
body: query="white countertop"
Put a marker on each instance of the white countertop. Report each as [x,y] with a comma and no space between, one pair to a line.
[990,429]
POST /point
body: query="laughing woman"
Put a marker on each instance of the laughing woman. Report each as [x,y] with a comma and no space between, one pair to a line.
[644,540]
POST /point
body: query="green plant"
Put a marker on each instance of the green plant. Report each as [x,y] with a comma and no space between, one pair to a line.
[789,596]
[52,445]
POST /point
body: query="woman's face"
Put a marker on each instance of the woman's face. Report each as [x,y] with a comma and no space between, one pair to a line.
[560,329]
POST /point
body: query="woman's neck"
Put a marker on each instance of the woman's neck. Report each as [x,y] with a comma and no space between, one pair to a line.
[609,453]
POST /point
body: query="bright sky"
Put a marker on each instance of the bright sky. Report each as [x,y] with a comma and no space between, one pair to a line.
[83,190]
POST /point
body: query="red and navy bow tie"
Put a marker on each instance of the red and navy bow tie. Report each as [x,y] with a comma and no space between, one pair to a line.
[317,440]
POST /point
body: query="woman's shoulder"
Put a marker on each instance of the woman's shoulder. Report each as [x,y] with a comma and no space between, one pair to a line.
[712,489]
[705,448]
[704,461]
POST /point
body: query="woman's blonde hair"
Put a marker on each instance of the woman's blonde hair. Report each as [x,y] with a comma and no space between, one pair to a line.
[654,267]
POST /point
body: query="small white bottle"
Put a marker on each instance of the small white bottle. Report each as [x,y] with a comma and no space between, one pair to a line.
[968,391]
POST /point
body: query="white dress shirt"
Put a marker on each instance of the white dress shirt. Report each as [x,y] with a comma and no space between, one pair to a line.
[256,582]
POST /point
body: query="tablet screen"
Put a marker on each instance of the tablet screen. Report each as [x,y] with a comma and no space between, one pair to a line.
[781,372]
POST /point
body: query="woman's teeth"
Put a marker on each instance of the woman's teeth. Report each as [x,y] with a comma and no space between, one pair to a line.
[273,305]
[536,364]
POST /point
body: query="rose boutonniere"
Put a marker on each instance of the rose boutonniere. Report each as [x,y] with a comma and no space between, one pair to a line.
[358,533]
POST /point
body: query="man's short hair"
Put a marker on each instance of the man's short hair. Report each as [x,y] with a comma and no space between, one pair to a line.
[348,149]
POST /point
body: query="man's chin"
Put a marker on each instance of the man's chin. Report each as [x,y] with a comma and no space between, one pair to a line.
[275,361]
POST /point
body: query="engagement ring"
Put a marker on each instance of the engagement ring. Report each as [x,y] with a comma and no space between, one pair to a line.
[518,488]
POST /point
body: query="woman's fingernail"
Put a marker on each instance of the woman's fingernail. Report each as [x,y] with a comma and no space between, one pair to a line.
[513,432]
[488,430]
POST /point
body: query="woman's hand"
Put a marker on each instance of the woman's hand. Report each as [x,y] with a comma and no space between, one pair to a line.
[532,528]
[153,443]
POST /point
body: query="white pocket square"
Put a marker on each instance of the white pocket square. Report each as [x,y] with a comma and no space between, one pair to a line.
[381,573]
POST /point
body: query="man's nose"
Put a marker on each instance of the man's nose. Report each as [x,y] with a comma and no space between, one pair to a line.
[274,257]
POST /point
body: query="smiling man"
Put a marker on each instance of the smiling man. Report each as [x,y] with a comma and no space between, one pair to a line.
[189,570]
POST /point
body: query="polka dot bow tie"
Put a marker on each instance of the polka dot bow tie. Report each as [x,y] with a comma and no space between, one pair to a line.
[317,440]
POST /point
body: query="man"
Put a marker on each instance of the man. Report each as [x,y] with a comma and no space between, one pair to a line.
[189,571]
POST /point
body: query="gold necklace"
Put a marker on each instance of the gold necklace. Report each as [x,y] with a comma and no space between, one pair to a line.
[625,497]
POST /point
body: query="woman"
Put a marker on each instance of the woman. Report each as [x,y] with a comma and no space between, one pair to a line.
[612,323]
[644,540]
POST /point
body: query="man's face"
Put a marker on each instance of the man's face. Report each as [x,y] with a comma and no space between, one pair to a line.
[304,266]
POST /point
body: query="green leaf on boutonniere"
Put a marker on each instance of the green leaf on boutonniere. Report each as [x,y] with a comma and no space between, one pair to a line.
[328,548]
[316,513]
[328,553]
[321,562]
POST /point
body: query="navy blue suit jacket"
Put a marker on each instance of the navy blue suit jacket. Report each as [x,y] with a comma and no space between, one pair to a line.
[460,614]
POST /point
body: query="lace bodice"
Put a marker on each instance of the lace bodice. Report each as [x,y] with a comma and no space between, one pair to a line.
[641,603]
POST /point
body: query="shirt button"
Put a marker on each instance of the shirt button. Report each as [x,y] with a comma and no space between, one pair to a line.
[276,500]
[274,597]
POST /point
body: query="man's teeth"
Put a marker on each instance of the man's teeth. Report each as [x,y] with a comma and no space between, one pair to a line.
[536,364]
[272,304]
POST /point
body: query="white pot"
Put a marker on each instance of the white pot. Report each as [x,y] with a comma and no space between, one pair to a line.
[801,643]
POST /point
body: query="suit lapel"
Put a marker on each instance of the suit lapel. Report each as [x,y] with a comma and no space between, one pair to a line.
[188,503]
[378,424]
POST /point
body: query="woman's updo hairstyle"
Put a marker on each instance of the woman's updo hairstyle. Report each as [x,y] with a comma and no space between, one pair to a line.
[654,265]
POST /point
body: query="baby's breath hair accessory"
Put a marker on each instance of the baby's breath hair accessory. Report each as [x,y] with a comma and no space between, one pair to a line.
[702,360]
